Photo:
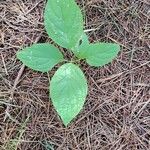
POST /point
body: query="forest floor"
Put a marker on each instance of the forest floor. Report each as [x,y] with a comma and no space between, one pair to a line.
[116,115]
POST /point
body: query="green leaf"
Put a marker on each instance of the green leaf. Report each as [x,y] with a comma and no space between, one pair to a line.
[99,54]
[81,49]
[63,22]
[40,57]
[84,41]
[68,91]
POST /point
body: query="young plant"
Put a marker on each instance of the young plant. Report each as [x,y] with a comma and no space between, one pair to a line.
[68,87]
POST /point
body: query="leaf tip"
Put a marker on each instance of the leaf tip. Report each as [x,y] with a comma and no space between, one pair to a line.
[118,47]
[66,123]
[18,54]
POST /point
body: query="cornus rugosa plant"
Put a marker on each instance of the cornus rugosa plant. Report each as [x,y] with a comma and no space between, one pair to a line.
[68,87]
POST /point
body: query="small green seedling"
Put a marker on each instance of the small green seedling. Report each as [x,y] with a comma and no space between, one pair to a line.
[68,88]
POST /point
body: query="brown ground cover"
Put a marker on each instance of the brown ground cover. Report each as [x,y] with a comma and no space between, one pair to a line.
[116,115]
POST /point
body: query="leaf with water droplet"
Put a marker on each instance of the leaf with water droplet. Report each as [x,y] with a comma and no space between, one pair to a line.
[63,22]
[99,54]
[40,57]
[68,91]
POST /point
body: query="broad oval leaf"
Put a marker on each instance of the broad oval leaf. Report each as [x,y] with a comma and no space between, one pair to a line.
[63,22]
[40,57]
[99,54]
[68,91]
